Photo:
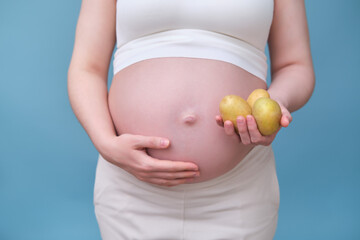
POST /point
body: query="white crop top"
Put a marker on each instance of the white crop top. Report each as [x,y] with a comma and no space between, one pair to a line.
[234,31]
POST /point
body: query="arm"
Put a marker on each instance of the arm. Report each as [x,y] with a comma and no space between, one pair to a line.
[87,89]
[293,78]
[292,71]
[88,70]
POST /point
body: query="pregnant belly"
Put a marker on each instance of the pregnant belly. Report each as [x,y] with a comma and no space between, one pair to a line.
[178,98]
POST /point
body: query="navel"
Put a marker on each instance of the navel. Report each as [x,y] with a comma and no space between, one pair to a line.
[188,118]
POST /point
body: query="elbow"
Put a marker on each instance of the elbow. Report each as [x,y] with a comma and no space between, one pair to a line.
[308,85]
[70,77]
[311,81]
[70,85]
[74,81]
[70,73]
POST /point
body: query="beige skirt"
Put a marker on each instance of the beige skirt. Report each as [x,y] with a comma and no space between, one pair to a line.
[241,204]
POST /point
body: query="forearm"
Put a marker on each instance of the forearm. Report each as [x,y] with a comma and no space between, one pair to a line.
[293,79]
[292,85]
[88,98]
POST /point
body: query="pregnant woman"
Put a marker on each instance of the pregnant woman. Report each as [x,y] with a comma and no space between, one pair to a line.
[169,167]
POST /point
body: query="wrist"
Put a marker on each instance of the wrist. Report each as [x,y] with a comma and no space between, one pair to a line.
[281,100]
[104,144]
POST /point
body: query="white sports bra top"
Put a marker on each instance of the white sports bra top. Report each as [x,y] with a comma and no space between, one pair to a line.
[234,31]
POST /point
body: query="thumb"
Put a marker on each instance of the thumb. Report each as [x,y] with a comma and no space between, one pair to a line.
[286,117]
[151,142]
[286,120]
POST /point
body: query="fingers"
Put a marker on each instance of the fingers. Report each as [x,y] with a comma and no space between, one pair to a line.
[141,142]
[243,130]
[249,132]
[228,125]
[176,175]
[168,177]
[219,120]
[229,128]
[167,173]
[286,117]
[156,165]
[134,159]
[151,164]
[167,182]
[285,120]
[254,133]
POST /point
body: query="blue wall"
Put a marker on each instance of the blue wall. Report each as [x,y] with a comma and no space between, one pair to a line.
[47,162]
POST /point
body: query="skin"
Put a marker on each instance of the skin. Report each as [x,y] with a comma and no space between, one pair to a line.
[142,102]
[292,85]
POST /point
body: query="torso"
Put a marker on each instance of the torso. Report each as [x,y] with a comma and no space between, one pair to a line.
[178,98]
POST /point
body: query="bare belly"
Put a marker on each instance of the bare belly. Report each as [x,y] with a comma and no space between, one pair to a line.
[178,98]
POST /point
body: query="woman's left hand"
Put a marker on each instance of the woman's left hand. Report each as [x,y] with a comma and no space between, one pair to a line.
[248,130]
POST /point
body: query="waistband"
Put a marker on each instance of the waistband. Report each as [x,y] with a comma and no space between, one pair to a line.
[193,43]
[247,169]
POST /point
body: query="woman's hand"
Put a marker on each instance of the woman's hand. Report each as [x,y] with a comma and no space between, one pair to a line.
[248,130]
[129,152]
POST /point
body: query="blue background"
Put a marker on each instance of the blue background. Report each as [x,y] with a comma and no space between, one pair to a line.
[47,165]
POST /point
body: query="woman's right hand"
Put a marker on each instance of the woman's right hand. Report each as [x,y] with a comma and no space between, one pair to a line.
[129,152]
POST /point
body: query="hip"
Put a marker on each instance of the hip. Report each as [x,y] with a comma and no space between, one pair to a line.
[240,204]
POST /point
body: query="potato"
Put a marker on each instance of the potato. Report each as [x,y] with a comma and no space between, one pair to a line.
[232,106]
[267,114]
[256,94]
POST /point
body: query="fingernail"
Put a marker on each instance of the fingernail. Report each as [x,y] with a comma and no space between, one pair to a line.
[197,174]
[164,142]
[248,118]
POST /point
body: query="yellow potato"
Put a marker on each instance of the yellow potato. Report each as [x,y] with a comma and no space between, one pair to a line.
[232,106]
[256,94]
[267,114]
